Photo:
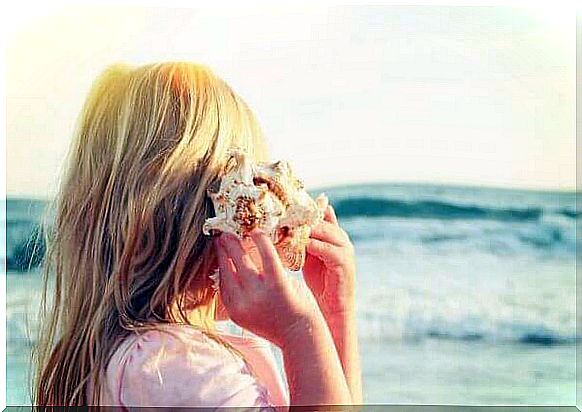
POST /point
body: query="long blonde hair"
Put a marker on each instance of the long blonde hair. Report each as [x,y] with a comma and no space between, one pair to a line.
[126,244]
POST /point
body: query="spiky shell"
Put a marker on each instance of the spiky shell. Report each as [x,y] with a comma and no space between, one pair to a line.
[270,197]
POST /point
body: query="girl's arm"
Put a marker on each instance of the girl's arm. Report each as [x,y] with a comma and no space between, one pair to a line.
[269,304]
[344,332]
[330,273]
[313,370]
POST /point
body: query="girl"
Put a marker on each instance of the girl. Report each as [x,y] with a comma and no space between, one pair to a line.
[132,319]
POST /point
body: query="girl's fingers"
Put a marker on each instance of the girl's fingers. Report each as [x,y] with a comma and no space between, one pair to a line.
[330,233]
[224,262]
[228,279]
[242,261]
[330,216]
[326,252]
[271,263]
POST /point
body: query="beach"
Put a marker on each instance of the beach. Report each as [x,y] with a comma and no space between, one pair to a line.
[464,295]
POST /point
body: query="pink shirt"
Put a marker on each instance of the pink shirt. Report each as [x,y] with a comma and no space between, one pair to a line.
[192,370]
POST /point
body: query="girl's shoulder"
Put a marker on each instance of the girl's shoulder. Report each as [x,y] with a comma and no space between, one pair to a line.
[178,365]
[175,340]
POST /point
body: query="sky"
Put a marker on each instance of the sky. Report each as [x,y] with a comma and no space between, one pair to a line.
[447,95]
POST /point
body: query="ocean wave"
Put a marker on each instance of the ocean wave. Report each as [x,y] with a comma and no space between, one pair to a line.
[429,209]
[25,246]
[387,327]
[546,236]
[499,222]
[449,306]
[569,213]
[390,326]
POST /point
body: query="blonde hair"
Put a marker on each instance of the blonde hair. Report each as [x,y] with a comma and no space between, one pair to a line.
[126,245]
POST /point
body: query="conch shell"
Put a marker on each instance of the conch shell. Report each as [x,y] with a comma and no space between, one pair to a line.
[266,196]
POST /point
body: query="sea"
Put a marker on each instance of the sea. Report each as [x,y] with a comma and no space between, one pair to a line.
[465,295]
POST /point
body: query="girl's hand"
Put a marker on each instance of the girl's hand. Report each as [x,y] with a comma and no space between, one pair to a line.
[257,294]
[261,298]
[330,268]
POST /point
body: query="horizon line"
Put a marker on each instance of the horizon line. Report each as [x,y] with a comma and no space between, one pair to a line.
[324,187]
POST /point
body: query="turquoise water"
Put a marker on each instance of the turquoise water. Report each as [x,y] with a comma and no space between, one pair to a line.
[465,295]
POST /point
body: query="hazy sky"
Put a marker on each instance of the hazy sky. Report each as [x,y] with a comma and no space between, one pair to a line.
[467,95]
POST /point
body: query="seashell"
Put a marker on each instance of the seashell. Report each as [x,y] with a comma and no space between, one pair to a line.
[270,197]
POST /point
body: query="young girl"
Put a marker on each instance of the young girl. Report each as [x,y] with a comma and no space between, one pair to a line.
[132,318]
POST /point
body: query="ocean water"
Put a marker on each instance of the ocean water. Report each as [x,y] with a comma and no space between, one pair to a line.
[465,295]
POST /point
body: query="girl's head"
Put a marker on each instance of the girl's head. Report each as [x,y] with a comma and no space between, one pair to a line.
[126,249]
